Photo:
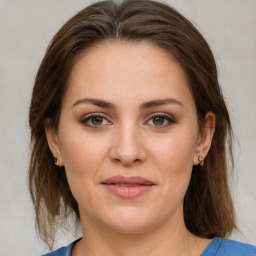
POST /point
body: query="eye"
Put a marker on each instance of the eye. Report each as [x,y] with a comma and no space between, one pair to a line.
[94,120]
[161,120]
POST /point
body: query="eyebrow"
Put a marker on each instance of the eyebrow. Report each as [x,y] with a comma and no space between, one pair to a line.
[145,105]
[96,102]
[160,102]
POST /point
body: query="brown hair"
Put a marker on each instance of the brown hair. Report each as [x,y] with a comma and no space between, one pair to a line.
[208,207]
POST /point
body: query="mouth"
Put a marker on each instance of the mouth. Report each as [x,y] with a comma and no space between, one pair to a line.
[128,187]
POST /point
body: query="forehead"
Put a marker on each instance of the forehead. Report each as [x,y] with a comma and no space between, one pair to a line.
[127,72]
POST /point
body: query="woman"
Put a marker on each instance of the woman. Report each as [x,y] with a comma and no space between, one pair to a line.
[129,131]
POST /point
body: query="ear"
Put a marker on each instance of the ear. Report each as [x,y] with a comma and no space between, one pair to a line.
[53,142]
[205,137]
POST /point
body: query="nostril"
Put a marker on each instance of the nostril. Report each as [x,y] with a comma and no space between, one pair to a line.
[126,162]
[127,154]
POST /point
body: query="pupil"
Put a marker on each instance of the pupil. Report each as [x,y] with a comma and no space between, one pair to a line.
[97,120]
[158,120]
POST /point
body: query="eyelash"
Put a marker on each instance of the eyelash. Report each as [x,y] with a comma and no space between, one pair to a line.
[166,117]
[89,117]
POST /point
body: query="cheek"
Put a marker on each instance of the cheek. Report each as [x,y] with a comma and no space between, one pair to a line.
[82,152]
[176,150]
[83,158]
[174,157]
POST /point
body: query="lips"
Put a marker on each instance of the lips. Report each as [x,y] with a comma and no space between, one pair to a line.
[128,187]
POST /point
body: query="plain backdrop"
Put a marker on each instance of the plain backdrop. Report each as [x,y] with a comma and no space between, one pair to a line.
[27,26]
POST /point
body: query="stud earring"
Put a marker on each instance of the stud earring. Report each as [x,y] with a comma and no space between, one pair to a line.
[201,159]
[55,160]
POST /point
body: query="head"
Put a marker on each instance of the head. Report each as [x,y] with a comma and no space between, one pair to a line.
[207,208]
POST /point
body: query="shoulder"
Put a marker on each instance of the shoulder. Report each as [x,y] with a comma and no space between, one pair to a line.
[63,251]
[230,247]
[226,247]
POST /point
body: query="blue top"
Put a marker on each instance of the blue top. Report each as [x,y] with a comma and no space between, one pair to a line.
[217,247]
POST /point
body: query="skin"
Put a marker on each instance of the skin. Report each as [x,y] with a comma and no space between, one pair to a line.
[126,140]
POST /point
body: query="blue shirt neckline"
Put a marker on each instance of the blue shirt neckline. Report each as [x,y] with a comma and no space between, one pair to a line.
[217,246]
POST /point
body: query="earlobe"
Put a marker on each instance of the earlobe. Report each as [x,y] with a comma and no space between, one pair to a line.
[205,138]
[53,143]
[58,162]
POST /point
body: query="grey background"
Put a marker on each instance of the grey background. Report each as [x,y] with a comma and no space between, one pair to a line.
[26,27]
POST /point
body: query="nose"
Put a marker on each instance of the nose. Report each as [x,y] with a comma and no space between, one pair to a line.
[127,147]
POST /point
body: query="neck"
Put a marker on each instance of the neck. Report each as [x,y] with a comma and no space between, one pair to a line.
[170,239]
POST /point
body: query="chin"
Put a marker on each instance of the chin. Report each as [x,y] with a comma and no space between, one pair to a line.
[130,220]
[129,228]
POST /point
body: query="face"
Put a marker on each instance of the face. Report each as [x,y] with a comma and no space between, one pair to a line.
[128,137]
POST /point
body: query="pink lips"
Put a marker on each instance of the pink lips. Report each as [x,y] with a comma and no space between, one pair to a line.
[127,187]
